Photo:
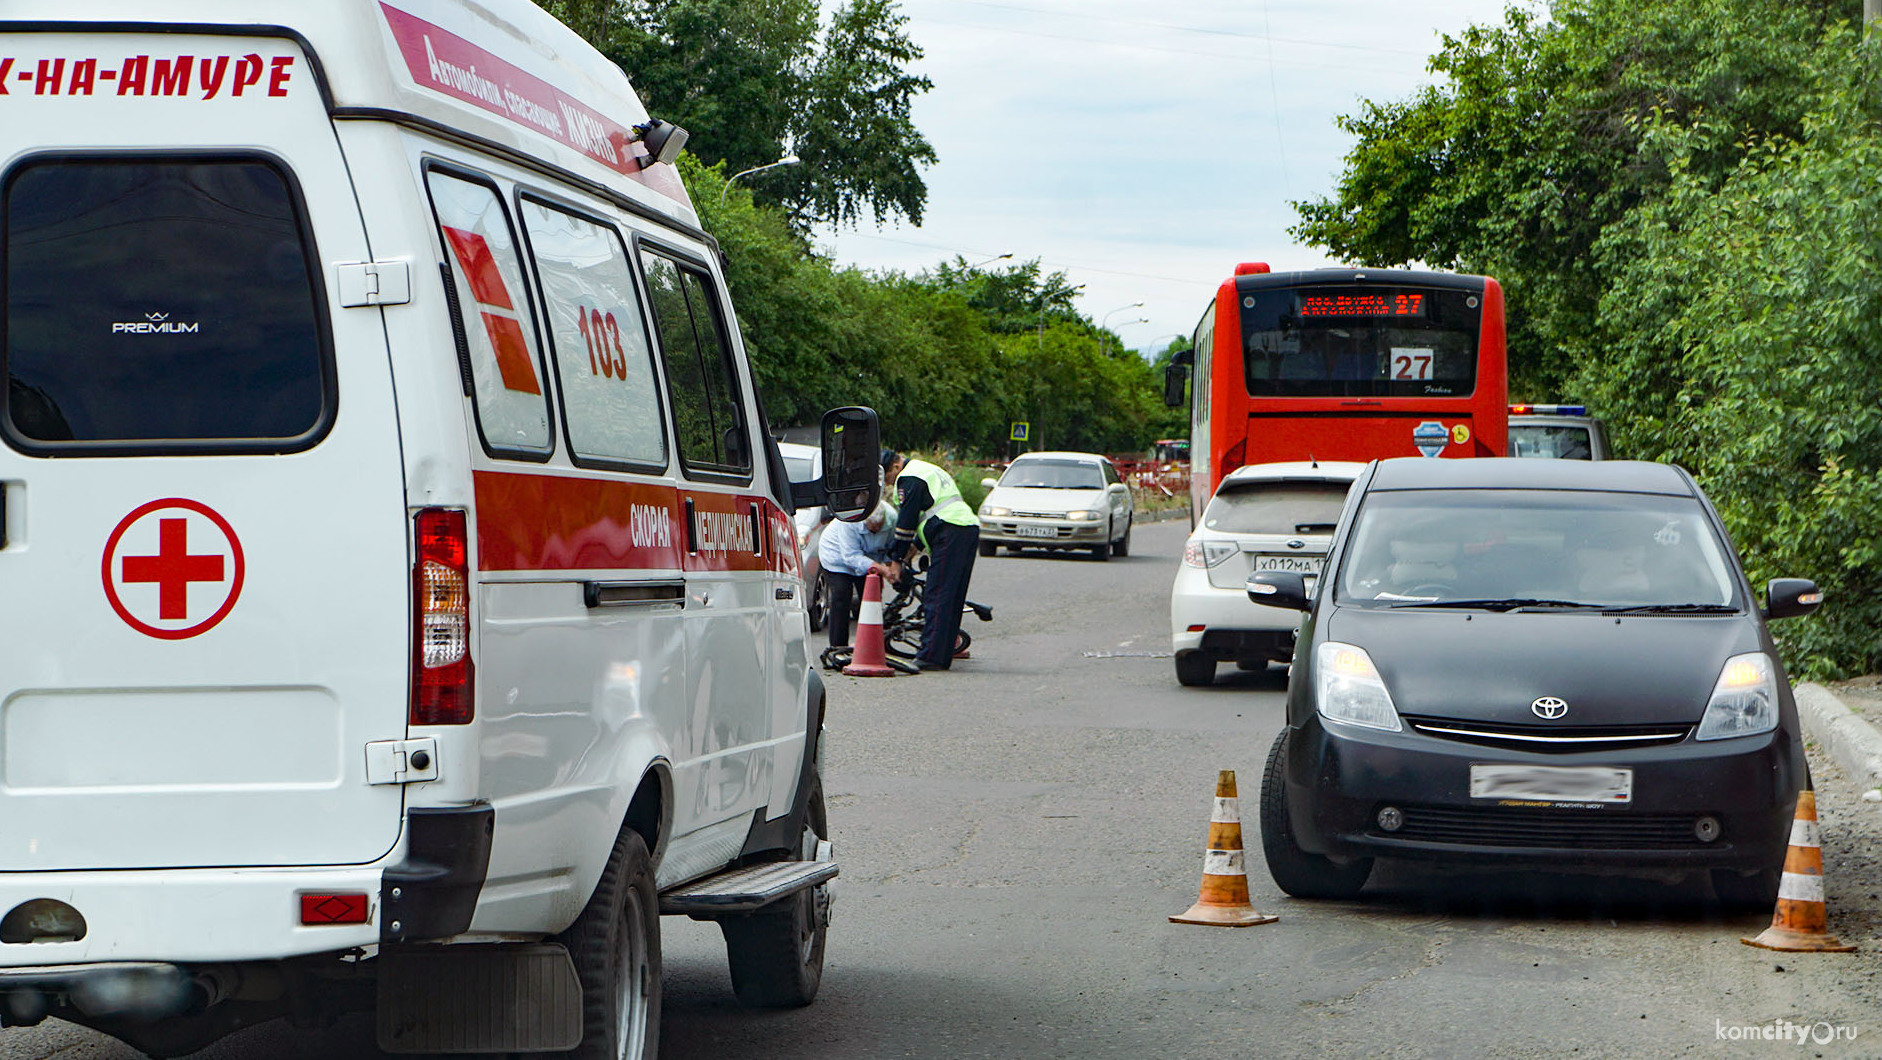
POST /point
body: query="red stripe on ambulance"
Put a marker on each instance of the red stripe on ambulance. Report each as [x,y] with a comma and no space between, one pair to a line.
[488,289]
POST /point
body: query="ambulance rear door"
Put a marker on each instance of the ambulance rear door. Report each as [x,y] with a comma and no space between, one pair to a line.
[205,575]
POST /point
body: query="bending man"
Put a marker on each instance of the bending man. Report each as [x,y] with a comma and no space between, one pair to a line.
[931,504]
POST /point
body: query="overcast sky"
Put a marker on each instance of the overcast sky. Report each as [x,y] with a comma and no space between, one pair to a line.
[1144,148]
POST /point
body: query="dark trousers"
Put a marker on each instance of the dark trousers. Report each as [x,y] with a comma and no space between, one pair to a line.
[843,588]
[952,549]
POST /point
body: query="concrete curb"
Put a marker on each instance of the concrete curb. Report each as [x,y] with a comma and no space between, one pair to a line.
[1852,742]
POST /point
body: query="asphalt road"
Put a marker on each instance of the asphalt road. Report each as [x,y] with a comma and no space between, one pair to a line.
[1014,834]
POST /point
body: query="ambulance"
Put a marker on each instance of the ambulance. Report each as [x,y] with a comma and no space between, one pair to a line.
[399,601]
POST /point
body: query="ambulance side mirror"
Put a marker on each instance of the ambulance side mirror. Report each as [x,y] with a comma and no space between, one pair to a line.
[852,479]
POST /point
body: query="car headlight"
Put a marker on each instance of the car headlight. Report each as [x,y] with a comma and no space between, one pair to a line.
[1207,553]
[1744,702]
[1348,689]
[997,513]
[1083,517]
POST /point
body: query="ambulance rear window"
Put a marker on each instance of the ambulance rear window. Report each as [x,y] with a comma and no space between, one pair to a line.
[158,305]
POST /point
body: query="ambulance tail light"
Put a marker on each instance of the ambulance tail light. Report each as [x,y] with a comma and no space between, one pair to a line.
[441,661]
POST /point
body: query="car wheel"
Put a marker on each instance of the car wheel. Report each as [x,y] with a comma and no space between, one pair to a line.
[1103,552]
[1122,546]
[776,953]
[819,609]
[1194,670]
[988,548]
[1756,891]
[615,944]
[1295,871]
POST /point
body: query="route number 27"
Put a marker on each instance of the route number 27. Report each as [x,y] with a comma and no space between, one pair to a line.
[603,336]
[1411,364]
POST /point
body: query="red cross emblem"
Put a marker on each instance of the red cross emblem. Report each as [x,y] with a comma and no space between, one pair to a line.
[173,568]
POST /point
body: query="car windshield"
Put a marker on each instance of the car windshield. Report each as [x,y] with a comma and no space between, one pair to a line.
[1276,507]
[800,468]
[1054,475]
[1561,441]
[1504,549]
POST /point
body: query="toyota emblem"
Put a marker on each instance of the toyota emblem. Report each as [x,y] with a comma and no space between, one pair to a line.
[1549,707]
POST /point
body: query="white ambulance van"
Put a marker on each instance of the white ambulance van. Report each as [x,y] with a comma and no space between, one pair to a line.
[399,601]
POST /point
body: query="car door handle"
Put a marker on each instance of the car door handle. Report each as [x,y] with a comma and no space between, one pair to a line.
[633,594]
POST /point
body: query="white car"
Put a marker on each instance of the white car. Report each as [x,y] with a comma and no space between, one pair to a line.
[1563,432]
[1058,501]
[805,463]
[1262,517]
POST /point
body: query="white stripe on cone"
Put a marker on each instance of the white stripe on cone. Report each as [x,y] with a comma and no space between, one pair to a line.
[1223,863]
[871,613]
[1804,834]
[1227,811]
[1801,888]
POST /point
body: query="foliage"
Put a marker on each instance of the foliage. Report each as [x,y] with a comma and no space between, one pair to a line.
[941,363]
[752,79]
[1681,200]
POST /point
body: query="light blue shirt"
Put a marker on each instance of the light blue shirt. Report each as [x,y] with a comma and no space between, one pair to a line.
[848,547]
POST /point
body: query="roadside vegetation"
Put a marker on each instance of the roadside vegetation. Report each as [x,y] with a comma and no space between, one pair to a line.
[1682,202]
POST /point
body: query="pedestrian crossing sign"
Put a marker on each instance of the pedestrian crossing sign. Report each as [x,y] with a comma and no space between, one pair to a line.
[1020,430]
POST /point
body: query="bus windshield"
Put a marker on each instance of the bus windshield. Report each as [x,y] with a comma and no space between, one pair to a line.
[1353,341]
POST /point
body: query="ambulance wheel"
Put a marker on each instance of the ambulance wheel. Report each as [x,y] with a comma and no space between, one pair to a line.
[988,548]
[616,947]
[1195,670]
[776,953]
[1296,871]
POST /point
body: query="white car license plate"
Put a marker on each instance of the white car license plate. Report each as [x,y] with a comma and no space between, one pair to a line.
[1295,564]
[1036,531]
[1589,784]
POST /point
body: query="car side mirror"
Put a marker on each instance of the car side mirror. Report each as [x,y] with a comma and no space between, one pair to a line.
[1119,488]
[1173,379]
[1279,588]
[989,483]
[1790,597]
[851,486]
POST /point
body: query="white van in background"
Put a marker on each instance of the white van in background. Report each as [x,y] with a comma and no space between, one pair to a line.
[402,601]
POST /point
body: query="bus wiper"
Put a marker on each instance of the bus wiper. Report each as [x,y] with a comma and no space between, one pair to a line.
[1509,603]
[1672,609]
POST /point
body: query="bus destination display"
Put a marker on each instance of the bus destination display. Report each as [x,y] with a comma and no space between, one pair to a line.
[1369,304]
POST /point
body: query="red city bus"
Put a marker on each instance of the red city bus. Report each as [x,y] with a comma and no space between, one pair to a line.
[1343,364]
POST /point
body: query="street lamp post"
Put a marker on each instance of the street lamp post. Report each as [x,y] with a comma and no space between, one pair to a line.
[989,261]
[787,160]
[1104,326]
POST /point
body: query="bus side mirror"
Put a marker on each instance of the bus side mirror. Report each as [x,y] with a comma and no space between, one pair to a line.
[851,486]
[1174,377]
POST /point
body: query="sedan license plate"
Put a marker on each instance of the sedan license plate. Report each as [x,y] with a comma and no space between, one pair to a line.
[1552,784]
[1309,565]
[1036,531]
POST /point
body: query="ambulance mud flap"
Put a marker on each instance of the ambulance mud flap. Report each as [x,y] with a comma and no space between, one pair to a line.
[433,892]
[500,998]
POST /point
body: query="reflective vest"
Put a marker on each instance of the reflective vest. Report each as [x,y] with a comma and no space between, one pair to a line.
[948,505]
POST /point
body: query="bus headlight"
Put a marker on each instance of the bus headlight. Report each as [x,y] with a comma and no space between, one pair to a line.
[1744,702]
[1348,688]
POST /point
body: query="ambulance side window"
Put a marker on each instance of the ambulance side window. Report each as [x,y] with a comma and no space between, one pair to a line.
[610,399]
[708,414]
[158,305]
[493,316]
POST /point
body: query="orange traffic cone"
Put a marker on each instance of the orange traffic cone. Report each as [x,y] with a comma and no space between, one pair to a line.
[1801,923]
[868,659]
[1224,898]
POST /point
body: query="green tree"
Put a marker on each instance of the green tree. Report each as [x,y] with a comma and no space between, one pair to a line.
[1530,148]
[751,79]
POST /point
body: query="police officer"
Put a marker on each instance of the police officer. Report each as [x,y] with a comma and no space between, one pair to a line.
[931,503]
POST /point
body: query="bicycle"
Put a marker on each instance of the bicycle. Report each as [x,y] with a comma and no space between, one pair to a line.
[901,628]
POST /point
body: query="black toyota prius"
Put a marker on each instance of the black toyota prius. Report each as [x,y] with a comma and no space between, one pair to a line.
[1533,664]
